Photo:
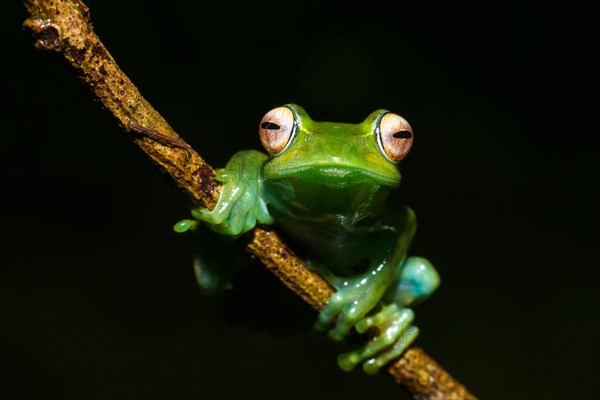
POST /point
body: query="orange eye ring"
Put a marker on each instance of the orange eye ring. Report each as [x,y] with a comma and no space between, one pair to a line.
[394,137]
[277,130]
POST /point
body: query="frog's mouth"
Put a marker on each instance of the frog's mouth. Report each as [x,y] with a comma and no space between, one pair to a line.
[334,176]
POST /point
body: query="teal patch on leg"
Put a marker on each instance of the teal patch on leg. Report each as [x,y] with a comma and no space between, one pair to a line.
[418,280]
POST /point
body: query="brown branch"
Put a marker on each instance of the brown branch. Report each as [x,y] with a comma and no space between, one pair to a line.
[64,26]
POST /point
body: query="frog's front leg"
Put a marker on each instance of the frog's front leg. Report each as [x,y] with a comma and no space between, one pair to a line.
[240,205]
[239,208]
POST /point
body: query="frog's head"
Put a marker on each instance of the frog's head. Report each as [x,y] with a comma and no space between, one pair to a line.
[338,155]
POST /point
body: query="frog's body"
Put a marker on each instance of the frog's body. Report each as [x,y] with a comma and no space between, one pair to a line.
[326,186]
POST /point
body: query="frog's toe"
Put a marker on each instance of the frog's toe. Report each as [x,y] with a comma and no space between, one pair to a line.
[341,311]
[393,324]
[185,225]
[373,365]
[235,222]
[329,313]
[228,219]
[375,320]
[346,320]
[346,307]
[212,217]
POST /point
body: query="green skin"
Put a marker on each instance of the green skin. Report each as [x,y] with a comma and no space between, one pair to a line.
[327,192]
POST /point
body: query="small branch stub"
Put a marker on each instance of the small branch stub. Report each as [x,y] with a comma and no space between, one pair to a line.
[64,27]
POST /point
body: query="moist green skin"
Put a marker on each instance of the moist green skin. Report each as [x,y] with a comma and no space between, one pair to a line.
[328,192]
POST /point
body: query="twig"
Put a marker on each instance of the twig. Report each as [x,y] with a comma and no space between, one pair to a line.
[64,26]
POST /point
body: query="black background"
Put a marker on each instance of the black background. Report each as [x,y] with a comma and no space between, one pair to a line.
[97,294]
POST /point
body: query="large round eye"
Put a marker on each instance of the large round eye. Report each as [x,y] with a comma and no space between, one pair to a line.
[277,130]
[394,136]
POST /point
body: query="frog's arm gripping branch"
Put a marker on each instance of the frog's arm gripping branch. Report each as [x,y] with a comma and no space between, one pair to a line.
[64,26]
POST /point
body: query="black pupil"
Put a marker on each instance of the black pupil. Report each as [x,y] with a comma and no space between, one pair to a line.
[402,135]
[269,125]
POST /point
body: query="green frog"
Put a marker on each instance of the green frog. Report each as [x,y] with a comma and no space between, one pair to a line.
[326,186]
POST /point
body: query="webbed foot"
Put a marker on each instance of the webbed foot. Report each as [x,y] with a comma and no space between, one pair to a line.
[346,308]
[395,333]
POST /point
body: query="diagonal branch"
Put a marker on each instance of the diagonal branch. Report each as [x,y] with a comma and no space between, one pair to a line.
[64,26]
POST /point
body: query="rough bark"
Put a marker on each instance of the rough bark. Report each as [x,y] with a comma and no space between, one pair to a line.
[64,26]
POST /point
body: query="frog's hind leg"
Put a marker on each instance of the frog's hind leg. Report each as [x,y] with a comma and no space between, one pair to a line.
[416,281]
[212,272]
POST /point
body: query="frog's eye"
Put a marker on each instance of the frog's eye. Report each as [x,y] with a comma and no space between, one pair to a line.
[277,130]
[394,136]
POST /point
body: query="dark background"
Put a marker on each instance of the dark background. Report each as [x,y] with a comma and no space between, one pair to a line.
[97,294]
